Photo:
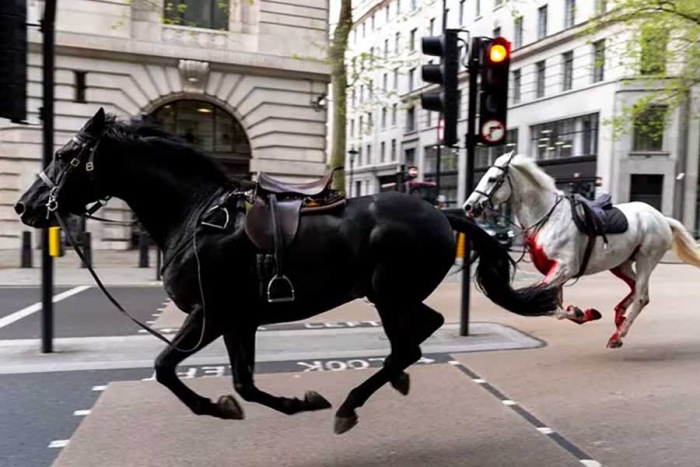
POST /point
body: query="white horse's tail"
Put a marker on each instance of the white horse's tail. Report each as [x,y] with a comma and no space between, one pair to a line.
[683,244]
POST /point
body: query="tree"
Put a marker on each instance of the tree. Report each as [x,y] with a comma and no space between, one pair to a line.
[659,44]
[339,81]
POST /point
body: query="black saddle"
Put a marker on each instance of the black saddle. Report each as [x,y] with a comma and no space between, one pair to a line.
[273,221]
[596,218]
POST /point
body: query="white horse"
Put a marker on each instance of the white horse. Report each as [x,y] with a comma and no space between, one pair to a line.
[558,248]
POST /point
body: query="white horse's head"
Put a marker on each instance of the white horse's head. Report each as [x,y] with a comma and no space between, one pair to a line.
[493,189]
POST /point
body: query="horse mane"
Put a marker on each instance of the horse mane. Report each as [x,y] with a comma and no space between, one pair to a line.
[139,131]
[534,172]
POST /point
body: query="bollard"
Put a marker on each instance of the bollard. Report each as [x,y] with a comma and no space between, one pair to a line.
[26,249]
[159,263]
[85,241]
[143,250]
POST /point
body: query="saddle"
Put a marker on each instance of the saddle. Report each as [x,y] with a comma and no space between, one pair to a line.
[273,221]
[596,218]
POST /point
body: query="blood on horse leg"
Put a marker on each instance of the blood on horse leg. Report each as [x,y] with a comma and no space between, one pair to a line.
[621,308]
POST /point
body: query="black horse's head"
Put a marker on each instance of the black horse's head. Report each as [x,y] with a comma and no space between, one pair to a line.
[66,185]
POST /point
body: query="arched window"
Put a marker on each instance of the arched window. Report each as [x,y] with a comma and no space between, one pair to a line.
[210,129]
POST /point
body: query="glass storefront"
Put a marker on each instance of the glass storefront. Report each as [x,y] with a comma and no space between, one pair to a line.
[571,137]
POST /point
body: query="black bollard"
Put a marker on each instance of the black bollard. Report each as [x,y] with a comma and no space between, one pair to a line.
[26,249]
[85,243]
[143,250]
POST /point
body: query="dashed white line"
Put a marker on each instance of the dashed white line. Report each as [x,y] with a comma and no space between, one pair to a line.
[453,362]
[142,331]
[545,430]
[509,402]
[99,388]
[81,413]
[590,463]
[59,443]
[479,381]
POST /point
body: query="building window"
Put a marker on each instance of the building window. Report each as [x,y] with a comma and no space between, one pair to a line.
[208,14]
[384,112]
[386,48]
[411,79]
[570,14]
[497,32]
[410,119]
[80,86]
[352,128]
[599,61]
[398,6]
[386,14]
[572,137]
[497,3]
[649,129]
[372,22]
[393,150]
[364,30]
[412,40]
[461,11]
[485,156]
[410,155]
[368,155]
[385,83]
[370,123]
[516,86]
[540,78]
[568,72]
[647,188]
[601,6]
[431,28]
[358,188]
[518,32]
[478,8]
[361,126]
[394,112]
[397,43]
[382,153]
[428,118]
[654,52]
[542,22]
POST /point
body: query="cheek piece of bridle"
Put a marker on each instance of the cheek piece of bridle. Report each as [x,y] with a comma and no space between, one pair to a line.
[499,182]
[88,146]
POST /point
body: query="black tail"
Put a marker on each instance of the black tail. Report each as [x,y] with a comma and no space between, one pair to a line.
[493,272]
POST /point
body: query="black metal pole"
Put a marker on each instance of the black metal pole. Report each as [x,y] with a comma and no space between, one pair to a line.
[48,30]
[470,139]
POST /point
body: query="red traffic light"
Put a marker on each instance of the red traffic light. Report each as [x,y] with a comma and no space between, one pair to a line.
[498,50]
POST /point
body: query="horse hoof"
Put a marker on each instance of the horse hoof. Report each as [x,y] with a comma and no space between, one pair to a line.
[344,424]
[402,383]
[228,408]
[614,343]
[592,314]
[315,401]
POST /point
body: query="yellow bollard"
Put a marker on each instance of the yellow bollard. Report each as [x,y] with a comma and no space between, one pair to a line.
[460,245]
[55,242]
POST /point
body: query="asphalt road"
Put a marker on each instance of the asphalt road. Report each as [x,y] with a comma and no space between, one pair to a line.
[86,314]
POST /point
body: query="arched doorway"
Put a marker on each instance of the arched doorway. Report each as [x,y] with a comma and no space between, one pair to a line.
[211,129]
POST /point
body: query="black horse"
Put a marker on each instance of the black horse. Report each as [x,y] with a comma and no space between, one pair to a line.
[392,248]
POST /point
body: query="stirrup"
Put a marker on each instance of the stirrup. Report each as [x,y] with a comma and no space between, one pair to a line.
[283,299]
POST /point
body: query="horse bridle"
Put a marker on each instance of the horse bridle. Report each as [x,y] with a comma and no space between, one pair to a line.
[499,181]
[88,146]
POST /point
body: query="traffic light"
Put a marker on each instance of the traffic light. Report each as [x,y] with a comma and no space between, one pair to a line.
[445,100]
[493,102]
[13,59]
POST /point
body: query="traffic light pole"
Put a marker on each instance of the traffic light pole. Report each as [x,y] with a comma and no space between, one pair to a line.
[47,111]
[470,139]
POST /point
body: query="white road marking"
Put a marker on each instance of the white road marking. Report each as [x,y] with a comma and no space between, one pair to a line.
[31,309]
[59,443]
[508,402]
[590,463]
[479,381]
[142,331]
[453,362]
[99,388]
[81,413]
[545,430]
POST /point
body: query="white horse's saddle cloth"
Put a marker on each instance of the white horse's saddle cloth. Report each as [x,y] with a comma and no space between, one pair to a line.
[597,217]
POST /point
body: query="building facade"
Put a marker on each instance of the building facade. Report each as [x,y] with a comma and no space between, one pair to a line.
[243,81]
[565,87]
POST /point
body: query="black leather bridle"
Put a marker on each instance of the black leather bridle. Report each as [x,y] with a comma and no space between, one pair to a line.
[500,180]
[88,147]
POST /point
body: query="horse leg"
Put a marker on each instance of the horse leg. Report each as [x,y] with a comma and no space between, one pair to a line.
[241,350]
[405,335]
[187,337]
[645,266]
[557,277]
[626,273]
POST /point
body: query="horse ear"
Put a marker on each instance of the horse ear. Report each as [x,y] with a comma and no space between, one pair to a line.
[99,118]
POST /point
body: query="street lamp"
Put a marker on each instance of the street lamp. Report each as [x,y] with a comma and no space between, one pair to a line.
[352,152]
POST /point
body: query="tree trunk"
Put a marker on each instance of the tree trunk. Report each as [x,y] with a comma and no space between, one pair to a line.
[339,80]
